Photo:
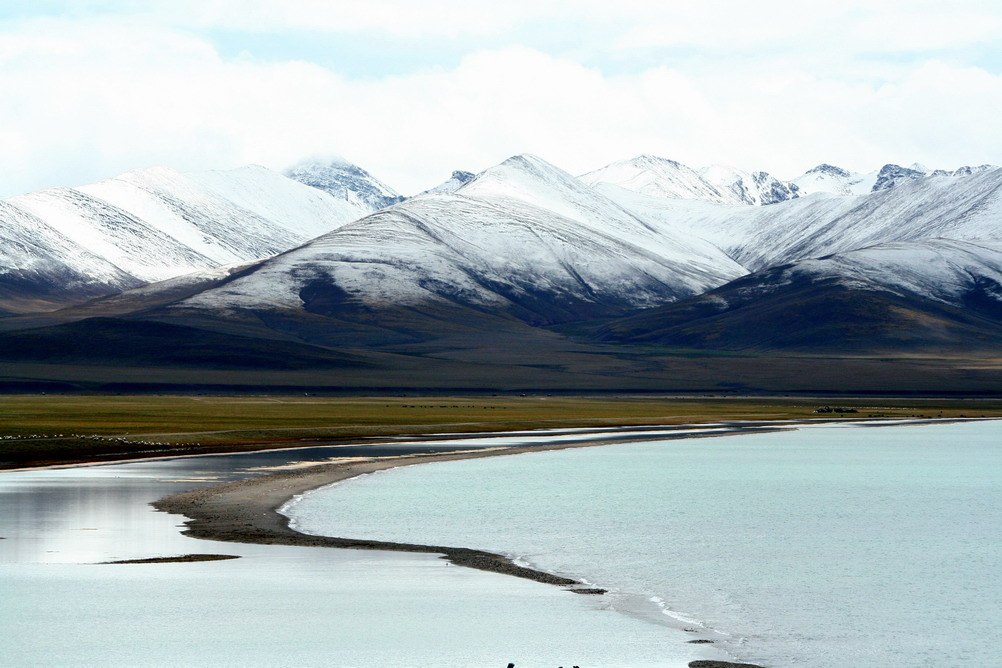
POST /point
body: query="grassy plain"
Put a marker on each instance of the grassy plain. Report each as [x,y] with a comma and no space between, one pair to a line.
[49,429]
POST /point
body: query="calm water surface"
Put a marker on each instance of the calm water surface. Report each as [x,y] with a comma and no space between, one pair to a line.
[275,605]
[830,546]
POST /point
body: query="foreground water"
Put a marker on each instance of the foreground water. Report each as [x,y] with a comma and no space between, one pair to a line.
[829,546]
[275,605]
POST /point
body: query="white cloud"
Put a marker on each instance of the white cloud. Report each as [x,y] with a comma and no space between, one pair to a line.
[86,100]
[926,25]
[848,25]
[396,17]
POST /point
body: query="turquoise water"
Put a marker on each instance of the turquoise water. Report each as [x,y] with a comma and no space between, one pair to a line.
[828,546]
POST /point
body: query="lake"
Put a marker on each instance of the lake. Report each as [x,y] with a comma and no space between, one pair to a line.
[828,546]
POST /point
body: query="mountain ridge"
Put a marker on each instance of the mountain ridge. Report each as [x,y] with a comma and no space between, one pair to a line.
[522,270]
[522,240]
[152,224]
[345,181]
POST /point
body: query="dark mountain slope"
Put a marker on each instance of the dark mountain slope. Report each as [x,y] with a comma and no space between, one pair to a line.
[900,298]
[111,341]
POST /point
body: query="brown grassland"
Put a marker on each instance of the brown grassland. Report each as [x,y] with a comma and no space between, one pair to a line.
[38,430]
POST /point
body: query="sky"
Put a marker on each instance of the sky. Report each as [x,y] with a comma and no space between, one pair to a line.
[411,91]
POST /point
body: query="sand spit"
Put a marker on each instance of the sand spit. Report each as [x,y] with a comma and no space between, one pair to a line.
[182,559]
[246,511]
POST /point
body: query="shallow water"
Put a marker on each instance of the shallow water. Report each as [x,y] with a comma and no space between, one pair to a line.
[276,605]
[830,546]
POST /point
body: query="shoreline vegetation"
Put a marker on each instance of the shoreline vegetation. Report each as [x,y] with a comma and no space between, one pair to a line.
[59,430]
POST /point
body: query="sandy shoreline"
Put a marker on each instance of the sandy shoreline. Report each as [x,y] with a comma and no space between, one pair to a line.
[246,511]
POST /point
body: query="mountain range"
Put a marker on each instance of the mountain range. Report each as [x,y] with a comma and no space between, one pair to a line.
[65,244]
[642,275]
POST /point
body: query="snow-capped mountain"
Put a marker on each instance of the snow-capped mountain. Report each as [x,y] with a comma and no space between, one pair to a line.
[967,170]
[953,207]
[929,294]
[660,177]
[458,179]
[837,181]
[523,241]
[346,181]
[136,247]
[41,267]
[834,180]
[153,224]
[448,248]
[519,277]
[891,175]
[956,273]
[529,179]
[756,188]
[657,177]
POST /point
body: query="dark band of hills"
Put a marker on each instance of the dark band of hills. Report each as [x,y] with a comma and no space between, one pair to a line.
[642,276]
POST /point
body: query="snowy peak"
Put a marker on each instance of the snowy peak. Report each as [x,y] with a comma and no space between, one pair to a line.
[964,171]
[771,190]
[834,180]
[756,188]
[527,179]
[891,175]
[531,179]
[448,253]
[657,177]
[519,174]
[306,211]
[225,216]
[346,181]
[964,208]
[830,171]
[523,239]
[157,223]
[837,181]
[661,177]
[458,179]
[525,167]
[113,233]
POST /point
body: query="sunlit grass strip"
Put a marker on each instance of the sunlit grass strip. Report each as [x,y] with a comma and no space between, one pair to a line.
[51,428]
